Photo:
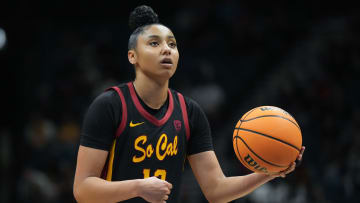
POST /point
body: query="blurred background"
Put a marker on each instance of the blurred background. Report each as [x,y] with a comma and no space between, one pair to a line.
[57,56]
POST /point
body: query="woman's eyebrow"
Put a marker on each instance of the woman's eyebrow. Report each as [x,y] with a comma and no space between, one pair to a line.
[158,37]
[154,36]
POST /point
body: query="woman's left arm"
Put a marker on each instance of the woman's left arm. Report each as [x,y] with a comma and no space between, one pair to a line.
[219,188]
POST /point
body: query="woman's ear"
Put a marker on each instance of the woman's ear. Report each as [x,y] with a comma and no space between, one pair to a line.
[132,56]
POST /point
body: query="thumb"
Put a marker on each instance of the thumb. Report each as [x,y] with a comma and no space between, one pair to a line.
[157,177]
[169,185]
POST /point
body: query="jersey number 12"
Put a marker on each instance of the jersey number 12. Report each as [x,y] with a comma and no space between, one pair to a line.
[158,172]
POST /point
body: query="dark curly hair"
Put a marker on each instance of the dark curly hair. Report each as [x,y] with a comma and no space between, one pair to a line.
[140,18]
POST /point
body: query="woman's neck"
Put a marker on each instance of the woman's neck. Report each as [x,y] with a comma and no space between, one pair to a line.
[153,93]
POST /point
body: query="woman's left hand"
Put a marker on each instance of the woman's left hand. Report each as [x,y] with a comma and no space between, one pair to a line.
[291,167]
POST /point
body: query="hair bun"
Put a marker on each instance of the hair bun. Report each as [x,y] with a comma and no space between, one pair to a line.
[142,15]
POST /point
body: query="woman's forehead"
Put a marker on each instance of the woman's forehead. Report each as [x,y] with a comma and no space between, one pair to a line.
[159,31]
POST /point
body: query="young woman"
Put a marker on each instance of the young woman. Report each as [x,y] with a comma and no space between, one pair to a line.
[136,136]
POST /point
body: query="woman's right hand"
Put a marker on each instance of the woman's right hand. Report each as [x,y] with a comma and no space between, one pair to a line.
[154,190]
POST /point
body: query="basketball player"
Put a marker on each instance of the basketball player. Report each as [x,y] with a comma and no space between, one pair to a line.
[136,136]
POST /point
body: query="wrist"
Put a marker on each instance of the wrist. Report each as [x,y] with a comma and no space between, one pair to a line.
[266,176]
[270,177]
[138,186]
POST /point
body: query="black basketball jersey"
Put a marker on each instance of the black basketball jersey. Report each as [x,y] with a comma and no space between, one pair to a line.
[145,146]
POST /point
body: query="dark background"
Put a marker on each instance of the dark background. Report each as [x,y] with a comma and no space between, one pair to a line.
[301,56]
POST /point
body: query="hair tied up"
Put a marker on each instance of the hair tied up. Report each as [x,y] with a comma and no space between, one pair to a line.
[141,16]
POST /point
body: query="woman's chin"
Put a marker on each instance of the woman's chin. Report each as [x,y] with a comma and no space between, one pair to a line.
[167,74]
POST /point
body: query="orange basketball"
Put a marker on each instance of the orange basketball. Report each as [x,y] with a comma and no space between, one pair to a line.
[267,139]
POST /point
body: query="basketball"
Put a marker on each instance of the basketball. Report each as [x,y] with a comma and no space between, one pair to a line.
[267,139]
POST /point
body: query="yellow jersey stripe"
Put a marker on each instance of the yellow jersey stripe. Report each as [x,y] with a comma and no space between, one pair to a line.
[111,162]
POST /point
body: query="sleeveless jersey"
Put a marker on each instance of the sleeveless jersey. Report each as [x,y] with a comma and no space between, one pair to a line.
[145,146]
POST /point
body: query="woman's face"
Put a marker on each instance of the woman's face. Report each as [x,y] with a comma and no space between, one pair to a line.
[156,54]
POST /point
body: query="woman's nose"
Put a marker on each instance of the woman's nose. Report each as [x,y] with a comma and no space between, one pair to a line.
[166,50]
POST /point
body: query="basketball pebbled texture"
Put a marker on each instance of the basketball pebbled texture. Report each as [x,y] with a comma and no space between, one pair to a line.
[267,139]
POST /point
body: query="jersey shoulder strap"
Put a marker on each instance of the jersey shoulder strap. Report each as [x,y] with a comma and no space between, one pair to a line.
[184,114]
[106,173]
[122,125]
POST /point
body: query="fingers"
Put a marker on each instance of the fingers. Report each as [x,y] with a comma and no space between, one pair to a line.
[155,190]
[299,158]
[301,153]
[287,171]
[163,200]
[290,169]
[169,187]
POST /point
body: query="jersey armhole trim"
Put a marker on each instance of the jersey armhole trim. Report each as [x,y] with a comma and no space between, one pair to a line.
[185,115]
[108,167]
[122,125]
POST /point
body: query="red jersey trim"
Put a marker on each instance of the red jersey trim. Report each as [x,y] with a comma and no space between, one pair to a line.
[146,114]
[122,125]
[185,115]
[106,173]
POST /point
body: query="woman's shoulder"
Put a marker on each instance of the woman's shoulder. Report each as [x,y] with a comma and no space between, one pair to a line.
[110,95]
[191,104]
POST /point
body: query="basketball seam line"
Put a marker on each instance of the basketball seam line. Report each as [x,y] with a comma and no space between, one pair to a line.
[238,152]
[258,155]
[291,145]
[248,113]
[272,116]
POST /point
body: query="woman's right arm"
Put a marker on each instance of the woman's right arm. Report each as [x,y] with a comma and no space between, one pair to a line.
[89,187]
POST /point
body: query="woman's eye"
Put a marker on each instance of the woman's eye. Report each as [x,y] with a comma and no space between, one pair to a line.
[154,44]
[172,44]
